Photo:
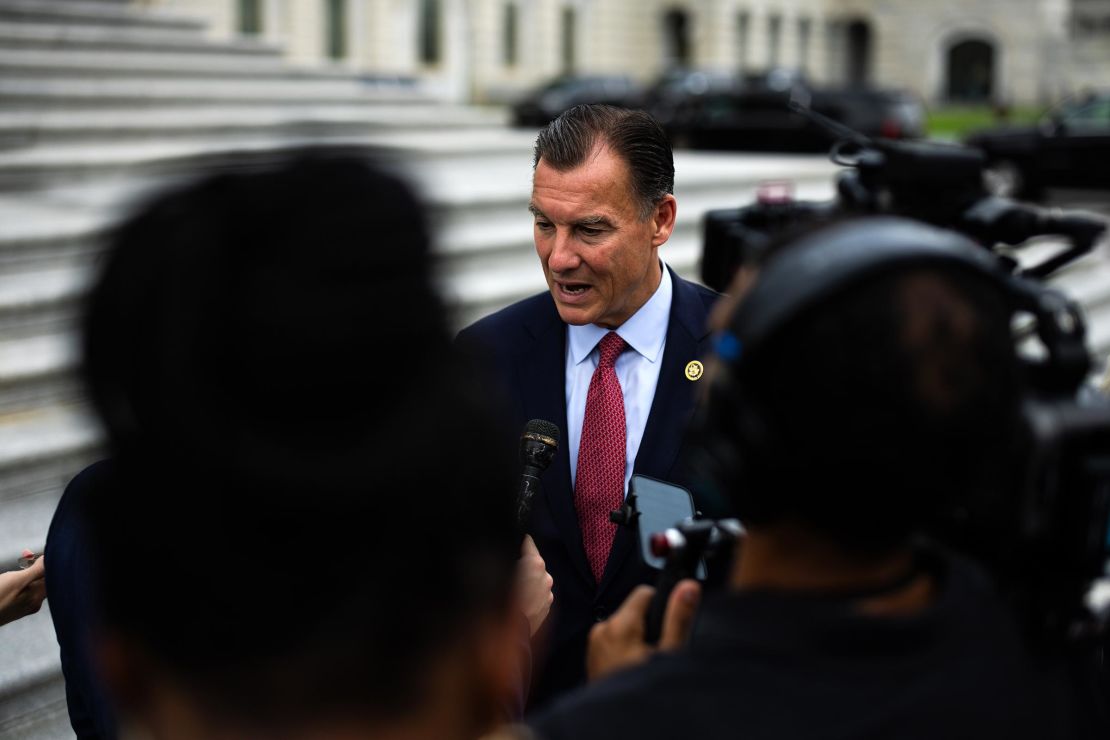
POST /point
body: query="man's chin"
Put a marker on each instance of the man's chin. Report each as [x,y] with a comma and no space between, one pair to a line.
[574,318]
[574,315]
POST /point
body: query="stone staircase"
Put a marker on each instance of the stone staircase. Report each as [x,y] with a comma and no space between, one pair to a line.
[100,102]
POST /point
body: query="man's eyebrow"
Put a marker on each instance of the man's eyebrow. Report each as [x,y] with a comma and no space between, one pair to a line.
[595,221]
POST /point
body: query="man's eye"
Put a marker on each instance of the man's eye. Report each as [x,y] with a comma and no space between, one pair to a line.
[589,231]
[543,225]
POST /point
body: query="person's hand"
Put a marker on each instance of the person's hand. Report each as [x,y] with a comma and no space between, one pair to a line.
[618,642]
[533,586]
[22,591]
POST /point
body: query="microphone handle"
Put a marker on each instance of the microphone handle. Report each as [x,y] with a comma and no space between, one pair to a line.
[529,487]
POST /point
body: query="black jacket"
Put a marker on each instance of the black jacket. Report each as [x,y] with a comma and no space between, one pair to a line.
[780,665]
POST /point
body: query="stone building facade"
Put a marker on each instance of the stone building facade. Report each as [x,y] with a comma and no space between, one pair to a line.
[1014,51]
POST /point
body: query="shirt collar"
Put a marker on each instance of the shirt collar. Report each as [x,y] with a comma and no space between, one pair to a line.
[644,331]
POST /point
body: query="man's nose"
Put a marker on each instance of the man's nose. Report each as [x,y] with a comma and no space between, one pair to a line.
[564,254]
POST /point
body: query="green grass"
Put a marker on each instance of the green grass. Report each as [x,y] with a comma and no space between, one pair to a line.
[956,121]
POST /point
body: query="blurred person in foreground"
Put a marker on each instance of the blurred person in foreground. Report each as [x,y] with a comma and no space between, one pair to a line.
[840,428]
[305,528]
[610,354]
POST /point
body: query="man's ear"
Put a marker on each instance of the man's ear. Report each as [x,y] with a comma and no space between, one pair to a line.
[663,219]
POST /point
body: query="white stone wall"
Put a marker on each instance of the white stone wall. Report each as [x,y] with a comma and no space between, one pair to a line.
[1035,59]
[538,48]
[913,39]
[1088,64]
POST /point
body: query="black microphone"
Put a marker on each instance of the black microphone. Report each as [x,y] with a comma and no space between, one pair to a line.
[538,443]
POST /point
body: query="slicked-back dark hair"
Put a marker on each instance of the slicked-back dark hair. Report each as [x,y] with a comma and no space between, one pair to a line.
[306,506]
[633,135]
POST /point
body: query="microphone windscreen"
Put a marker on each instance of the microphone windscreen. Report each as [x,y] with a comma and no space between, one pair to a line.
[543,428]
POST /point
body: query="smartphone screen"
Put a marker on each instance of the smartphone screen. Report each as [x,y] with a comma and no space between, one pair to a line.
[661,506]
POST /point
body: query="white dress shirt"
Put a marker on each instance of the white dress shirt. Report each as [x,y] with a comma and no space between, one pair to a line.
[637,370]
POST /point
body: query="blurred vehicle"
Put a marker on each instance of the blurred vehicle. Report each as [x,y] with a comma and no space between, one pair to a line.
[1068,148]
[677,87]
[753,115]
[887,114]
[545,104]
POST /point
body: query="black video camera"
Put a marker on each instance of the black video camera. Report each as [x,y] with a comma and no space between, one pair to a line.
[1050,544]
[939,184]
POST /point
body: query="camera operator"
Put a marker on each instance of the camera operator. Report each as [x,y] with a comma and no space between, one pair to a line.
[305,528]
[867,383]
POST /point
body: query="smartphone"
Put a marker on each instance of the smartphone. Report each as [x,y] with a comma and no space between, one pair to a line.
[659,506]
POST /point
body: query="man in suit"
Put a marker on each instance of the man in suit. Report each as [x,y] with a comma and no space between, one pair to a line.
[611,354]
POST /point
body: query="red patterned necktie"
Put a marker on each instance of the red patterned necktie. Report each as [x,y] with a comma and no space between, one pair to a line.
[599,486]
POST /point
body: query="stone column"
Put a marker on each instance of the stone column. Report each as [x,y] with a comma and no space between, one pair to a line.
[758,50]
[818,69]
[357,34]
[835,49]
[715,43]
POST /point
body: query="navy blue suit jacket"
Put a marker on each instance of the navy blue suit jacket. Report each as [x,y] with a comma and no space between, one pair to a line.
[522,349]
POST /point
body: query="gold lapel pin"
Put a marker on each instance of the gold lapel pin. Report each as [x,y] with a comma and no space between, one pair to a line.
[694,369]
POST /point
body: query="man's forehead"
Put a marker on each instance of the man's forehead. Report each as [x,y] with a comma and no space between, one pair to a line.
[600,182]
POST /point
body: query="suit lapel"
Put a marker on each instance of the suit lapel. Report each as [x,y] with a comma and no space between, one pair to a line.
[543,370]
[674,394]
[671,407]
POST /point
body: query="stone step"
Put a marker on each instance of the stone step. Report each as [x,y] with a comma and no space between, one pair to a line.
[38,371]
[74,12]
[93,164]
[40,167]
[40,452]
[35,236]
[47,128]
[35,302]
[432,155]
[66,93]
[106,64]
[32,692]
[189,39]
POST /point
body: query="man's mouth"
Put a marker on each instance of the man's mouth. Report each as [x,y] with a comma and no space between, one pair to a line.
[572,289]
